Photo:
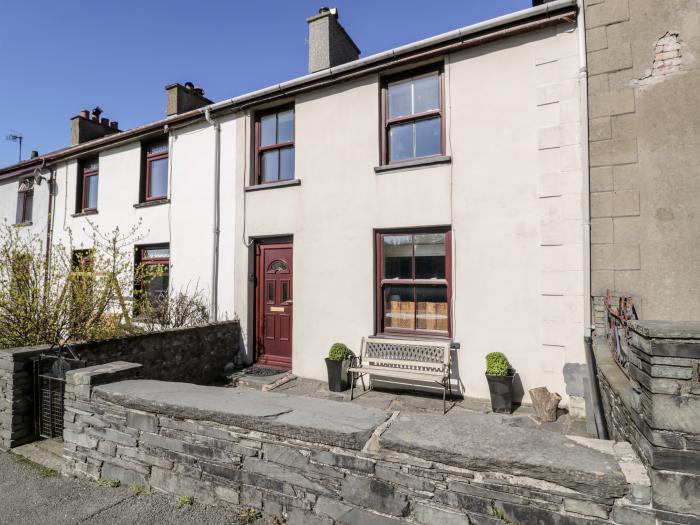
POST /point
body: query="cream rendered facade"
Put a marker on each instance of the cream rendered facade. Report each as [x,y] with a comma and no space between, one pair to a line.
[511,195]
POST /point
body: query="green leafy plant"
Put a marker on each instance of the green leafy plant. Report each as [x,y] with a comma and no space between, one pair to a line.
[497,364]
[136,488]
[112,483]
[184,500]
[250,515]
[339,352]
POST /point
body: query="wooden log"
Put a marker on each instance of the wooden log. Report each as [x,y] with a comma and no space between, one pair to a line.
[545,403]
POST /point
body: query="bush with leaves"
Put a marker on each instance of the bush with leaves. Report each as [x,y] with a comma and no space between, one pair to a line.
[497,364]
[173,310]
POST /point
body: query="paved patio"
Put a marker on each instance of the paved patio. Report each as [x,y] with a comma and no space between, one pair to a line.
[413,402]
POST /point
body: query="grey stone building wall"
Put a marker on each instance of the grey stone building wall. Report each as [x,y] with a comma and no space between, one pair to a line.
[199,355]
[644,112]
[273,463]
[657,409]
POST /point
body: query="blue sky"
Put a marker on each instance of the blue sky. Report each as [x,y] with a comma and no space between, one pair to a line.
[57,57]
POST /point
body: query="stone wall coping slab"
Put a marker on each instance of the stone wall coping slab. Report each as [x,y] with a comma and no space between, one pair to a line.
[486,442]
[308,419]
[666,329]
[24,351]
[92,375]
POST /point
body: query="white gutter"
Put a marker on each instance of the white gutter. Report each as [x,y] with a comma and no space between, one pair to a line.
[217,217]
[402,50]
[585,169]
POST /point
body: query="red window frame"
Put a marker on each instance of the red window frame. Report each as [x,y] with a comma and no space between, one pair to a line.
[259,150]
[150,157]
[386,122]
[25,195]
[381,282]
[85,173]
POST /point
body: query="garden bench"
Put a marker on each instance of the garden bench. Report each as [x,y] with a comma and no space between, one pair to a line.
[401,359]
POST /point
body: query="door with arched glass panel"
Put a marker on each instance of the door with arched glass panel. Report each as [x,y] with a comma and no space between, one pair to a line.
[275,305]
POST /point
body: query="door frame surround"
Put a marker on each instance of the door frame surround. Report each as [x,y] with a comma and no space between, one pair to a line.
[283,241]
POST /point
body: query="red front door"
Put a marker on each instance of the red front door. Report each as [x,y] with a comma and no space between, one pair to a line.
[275,305]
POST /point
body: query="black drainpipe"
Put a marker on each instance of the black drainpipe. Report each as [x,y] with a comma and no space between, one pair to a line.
[598,414]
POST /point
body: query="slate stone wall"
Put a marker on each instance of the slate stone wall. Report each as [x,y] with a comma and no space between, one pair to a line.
[197,355]
[312,483]
[658,408]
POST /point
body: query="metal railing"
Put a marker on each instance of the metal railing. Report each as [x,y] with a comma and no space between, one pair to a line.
[616,329]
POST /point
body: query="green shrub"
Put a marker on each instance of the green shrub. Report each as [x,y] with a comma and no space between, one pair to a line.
[497,364]
[339,352]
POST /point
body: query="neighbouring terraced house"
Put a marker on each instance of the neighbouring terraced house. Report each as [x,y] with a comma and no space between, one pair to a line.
[436,190]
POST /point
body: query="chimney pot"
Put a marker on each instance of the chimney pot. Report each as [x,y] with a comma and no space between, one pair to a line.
[34,154]
[114,124]
[329,43]
[104,121]
[85,113]
[189,85]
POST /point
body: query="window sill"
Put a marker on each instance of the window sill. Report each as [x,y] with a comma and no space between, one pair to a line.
[23,224]
[148,204]
[84,213]
[417,163]
[271,185]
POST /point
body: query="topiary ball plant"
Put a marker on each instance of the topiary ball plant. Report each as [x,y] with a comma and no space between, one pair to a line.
[339,352]
[497,364]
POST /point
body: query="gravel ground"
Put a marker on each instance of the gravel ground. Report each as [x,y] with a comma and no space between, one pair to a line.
[28,497]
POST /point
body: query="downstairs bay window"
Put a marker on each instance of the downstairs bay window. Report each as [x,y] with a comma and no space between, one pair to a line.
[414,285]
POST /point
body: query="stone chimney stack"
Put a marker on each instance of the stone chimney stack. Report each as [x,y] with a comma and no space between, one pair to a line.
[329,44]
[184,98]
[85,127]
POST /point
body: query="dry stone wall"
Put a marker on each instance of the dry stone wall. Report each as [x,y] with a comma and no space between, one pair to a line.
[277,453]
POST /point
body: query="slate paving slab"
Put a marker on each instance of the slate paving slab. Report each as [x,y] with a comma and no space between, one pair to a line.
[305,418]
[490,442]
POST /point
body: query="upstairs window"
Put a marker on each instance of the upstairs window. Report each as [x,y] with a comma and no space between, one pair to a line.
[274,146]
[88,178]
[25,202]
[156,172]
[412,117]
[414,282]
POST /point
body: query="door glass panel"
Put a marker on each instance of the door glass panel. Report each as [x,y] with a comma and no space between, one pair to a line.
[268,130]
[287,163]
[285,126]
[400,99]
[431,308]
[399,307]
[270,166]
[430,255]
[285,291]
[401,142]
[426,94]
[428,137]
[270,291]
[398,254]
[277,266]
[158,183]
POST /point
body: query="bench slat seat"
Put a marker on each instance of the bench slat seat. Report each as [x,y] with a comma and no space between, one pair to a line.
[412,360]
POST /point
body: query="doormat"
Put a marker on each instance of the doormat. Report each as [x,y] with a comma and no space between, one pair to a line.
[264,371]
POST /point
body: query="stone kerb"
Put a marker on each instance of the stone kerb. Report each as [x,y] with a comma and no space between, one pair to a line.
[319,461]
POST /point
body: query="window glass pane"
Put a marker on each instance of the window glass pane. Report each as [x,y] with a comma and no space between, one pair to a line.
[285,291]
[287,163]
[431,308]
[160,147]
[91,192]
[28,203]
[401,142]
[426,93]
[400,99]
[285,126]
[398,256]
[428,137]
[156,253]
[430,255]
[268,130]
[91,165]
[399,307]
[270,291]
[158,182]
[157,287]
[269,166]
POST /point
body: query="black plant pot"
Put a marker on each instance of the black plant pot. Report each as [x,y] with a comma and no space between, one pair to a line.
[501,389]
[338,375]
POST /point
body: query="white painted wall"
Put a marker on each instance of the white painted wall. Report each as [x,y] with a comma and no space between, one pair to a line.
[517,245]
